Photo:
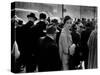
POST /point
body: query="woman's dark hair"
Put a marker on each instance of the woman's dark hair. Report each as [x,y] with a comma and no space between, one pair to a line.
[66,18]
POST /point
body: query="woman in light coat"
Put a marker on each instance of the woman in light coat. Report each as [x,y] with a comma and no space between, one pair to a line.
[66,46]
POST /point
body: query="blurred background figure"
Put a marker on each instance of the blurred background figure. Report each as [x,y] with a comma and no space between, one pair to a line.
[40,26]
[39,31]
[76,58]
[26,44]
[31,19]
[84,39]
[16,23]
[56,24]
[92,44]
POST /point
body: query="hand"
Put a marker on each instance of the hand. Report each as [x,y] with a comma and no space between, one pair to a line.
[72,49]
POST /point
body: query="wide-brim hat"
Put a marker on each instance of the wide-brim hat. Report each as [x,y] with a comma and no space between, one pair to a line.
[51,29]
[32,15]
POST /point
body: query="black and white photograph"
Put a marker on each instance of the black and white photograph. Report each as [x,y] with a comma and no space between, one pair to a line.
[48,37]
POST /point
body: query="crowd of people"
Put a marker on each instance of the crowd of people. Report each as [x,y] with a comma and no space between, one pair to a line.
[44,44]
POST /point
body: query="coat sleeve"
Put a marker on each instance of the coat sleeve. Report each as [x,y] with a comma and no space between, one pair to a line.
[63,45]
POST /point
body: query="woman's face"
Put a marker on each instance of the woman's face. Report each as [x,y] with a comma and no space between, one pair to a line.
[68,24]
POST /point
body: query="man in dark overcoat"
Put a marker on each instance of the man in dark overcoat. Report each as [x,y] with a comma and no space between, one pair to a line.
[48,53]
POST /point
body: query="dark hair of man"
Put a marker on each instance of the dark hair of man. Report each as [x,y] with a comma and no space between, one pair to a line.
[42,16]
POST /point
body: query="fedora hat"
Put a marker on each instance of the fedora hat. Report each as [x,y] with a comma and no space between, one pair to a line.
[51,29]
[31,15]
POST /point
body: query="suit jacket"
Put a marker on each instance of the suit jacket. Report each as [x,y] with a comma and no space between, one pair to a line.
[37,31]
[40,26]
[84,39]
[76,40]
[48,55]
[24,38]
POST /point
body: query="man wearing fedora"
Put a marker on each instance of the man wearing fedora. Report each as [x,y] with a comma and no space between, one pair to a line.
[38,30]
[48,53]
[27,46]
[31,19]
